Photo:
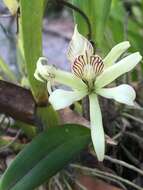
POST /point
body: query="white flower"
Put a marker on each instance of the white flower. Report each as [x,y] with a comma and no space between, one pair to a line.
[90,74]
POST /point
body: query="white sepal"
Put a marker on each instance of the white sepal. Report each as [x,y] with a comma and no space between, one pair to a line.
[116,70]
[62,98]
[115,53]
[97,132]
[78,46]
[123,93]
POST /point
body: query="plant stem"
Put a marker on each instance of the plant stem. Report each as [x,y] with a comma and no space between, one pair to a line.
[67,4]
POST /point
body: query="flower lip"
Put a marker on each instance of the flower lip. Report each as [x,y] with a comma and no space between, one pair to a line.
[87,67]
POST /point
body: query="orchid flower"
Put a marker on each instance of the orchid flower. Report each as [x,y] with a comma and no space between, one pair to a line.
[90,74]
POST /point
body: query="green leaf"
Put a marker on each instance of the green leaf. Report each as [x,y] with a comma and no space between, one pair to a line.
[102,10]
[97,12]
[125,27]
[31,39]
[45,156]
[88,8]
[6,70]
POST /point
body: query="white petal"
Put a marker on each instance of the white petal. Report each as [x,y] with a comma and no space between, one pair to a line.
[42,68]
[115,53]
[62,98]
[97,132]
[49,72]
[78,46]
[36,75]
[124,94]
[116,70]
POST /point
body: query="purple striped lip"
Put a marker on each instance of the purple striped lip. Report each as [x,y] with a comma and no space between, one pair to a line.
[83,62]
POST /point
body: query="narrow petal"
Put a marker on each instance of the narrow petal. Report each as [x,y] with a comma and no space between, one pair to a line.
[78,46]
[87,68]
[124,94]
[97,132]
[116,70]
[62,98]
[47,72]
[115,53]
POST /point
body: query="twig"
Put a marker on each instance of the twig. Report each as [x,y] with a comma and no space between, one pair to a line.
[75,8]
[75,181]
[134,160]
[137,138]
[67,184]
[120,133]
[133,118]
[58,183]
[50,184]
[125,164]
[111,180]
[96,171]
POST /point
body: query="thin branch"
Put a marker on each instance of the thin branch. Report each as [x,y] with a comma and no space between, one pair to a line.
[134,160]
[50,184]
[67,184]
[96,171]
[110,179]
[127,115]
[78,10]
[57,182]
[75,181]
[125,164]
[135,137]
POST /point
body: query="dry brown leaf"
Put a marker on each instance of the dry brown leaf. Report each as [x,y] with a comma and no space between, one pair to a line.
[69,116]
